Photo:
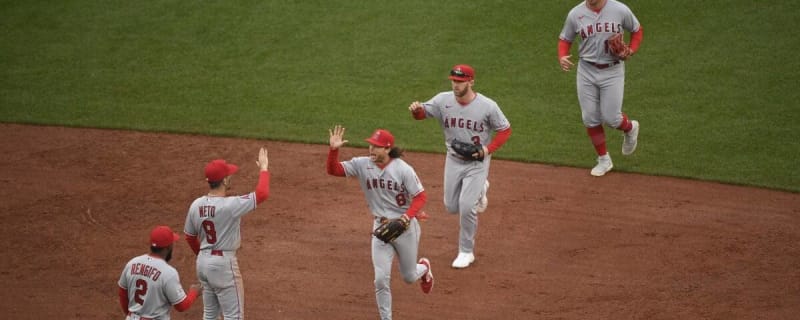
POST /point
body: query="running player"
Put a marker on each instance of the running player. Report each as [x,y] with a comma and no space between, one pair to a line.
[213,230]
[148,285]
[465,115]
[601,75]
[393,190]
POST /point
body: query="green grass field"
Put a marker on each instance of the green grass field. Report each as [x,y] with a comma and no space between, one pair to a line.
[714,84]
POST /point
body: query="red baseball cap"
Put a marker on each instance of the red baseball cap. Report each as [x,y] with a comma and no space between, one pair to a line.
[381,138]
[217,170]
[162,237]
[462,72]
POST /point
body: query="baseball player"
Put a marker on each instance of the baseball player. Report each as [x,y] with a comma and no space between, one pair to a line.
[601,74]
[393,191]
[148,285]
[214,233]
[466,116]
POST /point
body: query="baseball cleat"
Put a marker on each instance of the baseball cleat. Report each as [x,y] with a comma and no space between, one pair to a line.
[629,139]
[426,282]
[463,260]
[604,165]
[483,202]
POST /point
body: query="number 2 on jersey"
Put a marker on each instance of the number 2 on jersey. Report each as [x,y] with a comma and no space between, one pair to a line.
[211,233]
[141,291]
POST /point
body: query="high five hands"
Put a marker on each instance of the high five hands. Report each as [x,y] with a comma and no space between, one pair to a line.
[263,160]
[337,136]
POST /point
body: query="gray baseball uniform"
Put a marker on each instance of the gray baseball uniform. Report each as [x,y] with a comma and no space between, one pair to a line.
[153,287]
[216,222]
[464,180]
[389,192]
[600,89]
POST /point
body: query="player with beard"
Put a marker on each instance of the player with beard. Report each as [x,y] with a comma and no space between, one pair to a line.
[468,117]
[148,285]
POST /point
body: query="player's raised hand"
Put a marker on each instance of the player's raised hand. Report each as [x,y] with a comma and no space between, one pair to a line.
[414,106]
[263,159]
[337,136]
[566,65]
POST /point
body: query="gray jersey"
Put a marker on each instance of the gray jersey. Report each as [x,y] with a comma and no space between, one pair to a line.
[216,220]
[153,287]
[388,191]
[473,122]
[595,28]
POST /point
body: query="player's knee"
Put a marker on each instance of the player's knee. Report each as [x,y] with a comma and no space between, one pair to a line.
[382,282]
[467,207]
[451,207]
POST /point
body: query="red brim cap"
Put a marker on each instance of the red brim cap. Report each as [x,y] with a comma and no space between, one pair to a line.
[162,237]
[462,72]
[381,138]
[460,78]
[219,169]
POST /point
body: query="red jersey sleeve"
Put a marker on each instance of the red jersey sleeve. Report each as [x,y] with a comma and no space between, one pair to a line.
[563,47]
[262,188]
[123,300]
[194,243]
[187,302]
[416,204]
[499,140]
[636,39]
[334,167]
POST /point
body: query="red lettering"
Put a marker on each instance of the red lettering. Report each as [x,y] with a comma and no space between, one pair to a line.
[460,122]
[383,186]
[469,124]
[583,34]
[145,271]
[206,211]
[452,122]
[389,184]
[369,187]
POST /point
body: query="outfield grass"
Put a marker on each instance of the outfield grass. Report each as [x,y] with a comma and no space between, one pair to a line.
[714,84]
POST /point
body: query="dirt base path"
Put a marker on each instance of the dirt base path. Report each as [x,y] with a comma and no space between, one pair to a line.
[555,242]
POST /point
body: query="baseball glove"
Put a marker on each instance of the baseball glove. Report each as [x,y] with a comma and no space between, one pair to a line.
[468,150]
[390,229]
[618,47]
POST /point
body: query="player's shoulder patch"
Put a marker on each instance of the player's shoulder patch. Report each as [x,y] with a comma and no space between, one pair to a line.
[245,197]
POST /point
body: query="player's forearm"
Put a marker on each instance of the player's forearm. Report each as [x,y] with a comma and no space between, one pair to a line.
[194,243]
[499,140]
[334,167]
[187,302]
[563,47]
[123,300]
[262,188]
[416,204]
[636,39]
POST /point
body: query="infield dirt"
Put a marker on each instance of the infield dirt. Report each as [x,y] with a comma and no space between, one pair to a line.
[555,242]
